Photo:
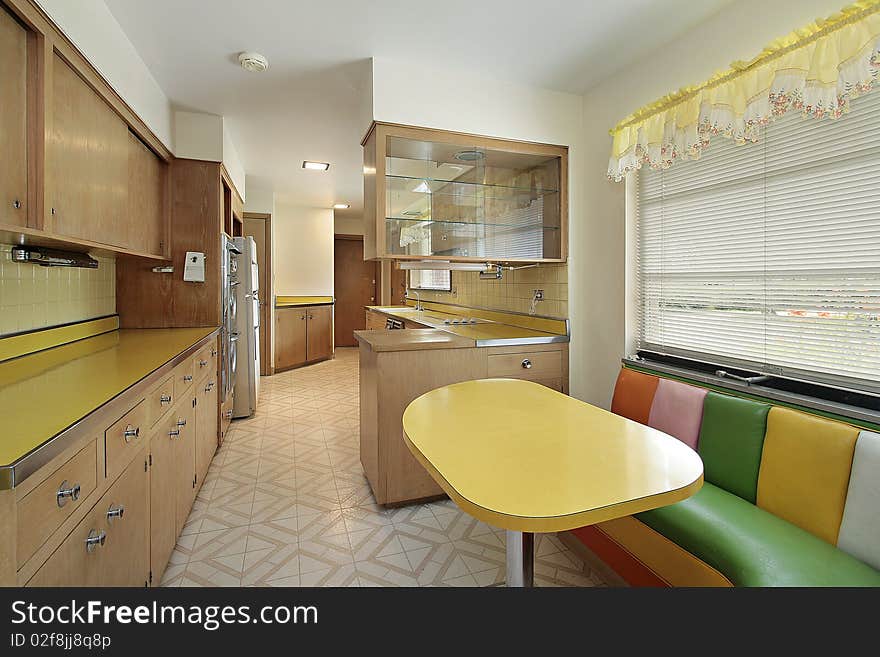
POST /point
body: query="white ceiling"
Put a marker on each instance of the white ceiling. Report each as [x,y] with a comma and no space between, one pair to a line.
[306,105]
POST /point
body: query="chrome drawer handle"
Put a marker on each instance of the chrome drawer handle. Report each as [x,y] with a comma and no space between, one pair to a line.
[131,432]
[187,378]
[203,363]
[213,352]
[209,387]
[67,493]
[94,539]
[174,432]
[228,415]
[165,399]
[527,364]
[115,511]
[181,423]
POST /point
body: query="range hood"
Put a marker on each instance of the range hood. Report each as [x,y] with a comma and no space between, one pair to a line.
[44,257]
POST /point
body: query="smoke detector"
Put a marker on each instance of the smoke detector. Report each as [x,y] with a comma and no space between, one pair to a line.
[253,61]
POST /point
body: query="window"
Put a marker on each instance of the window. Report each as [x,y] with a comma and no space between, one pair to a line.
[767,256]
[430,279]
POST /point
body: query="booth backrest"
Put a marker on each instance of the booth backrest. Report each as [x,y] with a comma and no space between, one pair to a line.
[816,473]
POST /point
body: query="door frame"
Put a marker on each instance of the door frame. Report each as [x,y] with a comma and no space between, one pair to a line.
[377,275]
[269,330]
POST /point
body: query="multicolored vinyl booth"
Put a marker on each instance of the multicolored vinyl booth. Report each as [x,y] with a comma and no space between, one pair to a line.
[789,499]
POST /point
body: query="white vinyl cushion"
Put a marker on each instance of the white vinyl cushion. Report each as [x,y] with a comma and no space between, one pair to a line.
[860,529]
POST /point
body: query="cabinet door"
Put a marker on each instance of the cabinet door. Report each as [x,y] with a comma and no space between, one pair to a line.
[146,199]
[185,462]
[206,427]
[163,501]
[118,526]
[13,121]
[320,332]
[290,337]
[86,161]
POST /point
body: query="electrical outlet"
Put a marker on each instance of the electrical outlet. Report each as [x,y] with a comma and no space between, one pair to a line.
[539,295]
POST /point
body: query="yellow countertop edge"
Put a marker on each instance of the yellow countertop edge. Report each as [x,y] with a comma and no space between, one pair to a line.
[285,301]
[15,346]
[551,524]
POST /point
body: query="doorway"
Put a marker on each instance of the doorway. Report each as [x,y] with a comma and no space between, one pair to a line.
[354,287]
[259,226]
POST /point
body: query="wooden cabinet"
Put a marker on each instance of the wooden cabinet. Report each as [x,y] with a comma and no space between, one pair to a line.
[146,211]
[13,121]
[183,421]
[303,334]
[375,320]
[290,337]
[110,546]
[86,162]
[206,426]
[163,500]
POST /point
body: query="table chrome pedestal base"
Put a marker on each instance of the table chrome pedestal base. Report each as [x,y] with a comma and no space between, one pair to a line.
[520,559]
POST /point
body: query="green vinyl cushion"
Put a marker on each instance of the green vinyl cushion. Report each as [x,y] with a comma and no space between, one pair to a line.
[731,440]
[752,547]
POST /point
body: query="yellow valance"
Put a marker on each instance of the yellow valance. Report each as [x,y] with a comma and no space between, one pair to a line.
[817,69]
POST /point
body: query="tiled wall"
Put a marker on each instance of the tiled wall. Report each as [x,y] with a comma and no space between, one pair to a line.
[513,292]
[33,297]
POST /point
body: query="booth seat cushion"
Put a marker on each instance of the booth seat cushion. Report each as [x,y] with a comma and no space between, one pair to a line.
[634,395]
[860,529]
[752,547]
[678,410]
[805,468]
[731,440]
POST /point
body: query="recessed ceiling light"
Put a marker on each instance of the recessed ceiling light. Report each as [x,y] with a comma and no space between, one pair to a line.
[341,206]
[253,61]
[469,156]
[316,166]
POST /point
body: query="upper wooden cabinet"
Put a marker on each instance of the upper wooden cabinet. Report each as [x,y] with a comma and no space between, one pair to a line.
[147,207]
[86,161]
[13,120]
[438,195]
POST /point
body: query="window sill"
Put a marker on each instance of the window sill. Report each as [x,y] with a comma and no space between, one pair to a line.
[856,415]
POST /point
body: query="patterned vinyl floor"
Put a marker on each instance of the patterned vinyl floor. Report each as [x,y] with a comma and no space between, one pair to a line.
[286,503]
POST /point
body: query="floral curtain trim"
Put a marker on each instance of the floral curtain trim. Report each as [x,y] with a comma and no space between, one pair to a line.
[817,69]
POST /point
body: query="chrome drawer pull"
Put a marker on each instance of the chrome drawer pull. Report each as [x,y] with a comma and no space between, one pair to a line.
[187,378]
[213,352]
[131,432]
[527,364]
[209,387]
[115,511]
[165,399]
[228,415]
[203,363]
[181,423]
[94,539]
[64,493]
[174,432]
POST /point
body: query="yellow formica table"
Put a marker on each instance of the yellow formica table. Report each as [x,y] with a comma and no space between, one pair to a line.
[523,457]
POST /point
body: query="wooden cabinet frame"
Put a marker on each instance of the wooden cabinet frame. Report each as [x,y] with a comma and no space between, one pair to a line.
[45,41]
[374,184]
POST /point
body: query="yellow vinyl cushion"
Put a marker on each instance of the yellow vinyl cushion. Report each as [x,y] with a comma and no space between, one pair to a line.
[805,469]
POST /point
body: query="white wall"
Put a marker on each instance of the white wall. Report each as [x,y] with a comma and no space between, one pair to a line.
[348,225]
[93,29]
[198,136]
[302,250]
[598,275]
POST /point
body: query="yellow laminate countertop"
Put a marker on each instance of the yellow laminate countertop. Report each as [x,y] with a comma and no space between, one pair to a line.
[293,302]
[44,393]
[523,457]
[482,332]
[411,340]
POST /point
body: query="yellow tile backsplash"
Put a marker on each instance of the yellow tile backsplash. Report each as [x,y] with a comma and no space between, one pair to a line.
[34,297]
[512,293]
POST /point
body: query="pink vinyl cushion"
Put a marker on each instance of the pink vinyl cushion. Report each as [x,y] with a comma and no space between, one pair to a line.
[678,411]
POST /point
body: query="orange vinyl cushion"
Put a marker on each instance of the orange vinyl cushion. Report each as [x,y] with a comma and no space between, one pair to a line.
[805,468]
[634,395]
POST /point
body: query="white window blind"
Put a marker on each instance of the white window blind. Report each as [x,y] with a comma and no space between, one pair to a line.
[430,279]
[767,256]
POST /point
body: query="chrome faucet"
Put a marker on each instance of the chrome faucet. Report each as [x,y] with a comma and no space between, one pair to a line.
[418,300]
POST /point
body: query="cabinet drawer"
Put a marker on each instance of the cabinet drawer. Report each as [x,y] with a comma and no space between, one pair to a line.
[160,400]
[205,361]
[42,511]
[183,378]
[117,528]
[534,366]
[123,439]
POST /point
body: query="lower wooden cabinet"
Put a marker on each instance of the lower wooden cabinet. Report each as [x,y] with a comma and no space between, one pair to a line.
[110,546]
[303,334]
[206,426]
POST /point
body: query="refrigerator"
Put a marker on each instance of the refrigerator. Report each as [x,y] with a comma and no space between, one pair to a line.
[247,330]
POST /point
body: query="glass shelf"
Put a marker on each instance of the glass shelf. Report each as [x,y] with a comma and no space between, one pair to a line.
[425,185]
[427,220]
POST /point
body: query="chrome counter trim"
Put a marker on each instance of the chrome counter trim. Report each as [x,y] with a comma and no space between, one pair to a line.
[513,342]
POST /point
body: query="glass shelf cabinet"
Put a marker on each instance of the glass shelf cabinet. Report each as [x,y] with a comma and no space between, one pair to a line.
[438,195]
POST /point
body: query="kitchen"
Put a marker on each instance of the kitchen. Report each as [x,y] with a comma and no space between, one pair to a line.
[263,312]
